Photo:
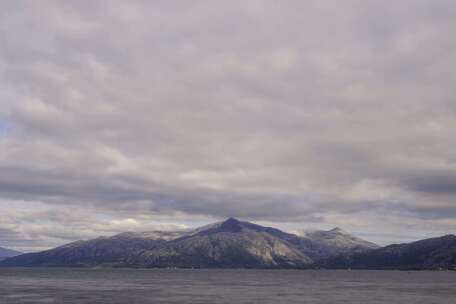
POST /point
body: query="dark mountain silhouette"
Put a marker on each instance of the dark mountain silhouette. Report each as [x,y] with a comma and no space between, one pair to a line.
[434,253]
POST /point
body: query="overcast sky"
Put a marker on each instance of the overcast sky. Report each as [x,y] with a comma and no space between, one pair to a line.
[143,115]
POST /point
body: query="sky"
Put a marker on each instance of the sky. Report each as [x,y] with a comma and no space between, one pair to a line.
[147,115]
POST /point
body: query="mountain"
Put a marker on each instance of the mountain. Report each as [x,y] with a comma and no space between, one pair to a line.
[434,253]
[6,253]
[335,241]
[228,244]
[99,251]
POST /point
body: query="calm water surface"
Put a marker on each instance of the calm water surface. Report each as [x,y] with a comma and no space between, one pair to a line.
[108,286]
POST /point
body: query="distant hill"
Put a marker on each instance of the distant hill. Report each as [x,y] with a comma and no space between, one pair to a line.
[325,244]
[228,244]
[434,253]
[6,253]
[102,250]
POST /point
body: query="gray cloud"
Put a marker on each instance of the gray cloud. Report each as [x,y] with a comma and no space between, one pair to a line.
[297,113]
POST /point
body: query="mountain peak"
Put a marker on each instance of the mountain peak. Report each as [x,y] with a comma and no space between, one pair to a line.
[231,219]
[231,225]
[337,230]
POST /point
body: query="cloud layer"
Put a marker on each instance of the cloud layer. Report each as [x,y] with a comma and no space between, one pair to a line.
[156,114]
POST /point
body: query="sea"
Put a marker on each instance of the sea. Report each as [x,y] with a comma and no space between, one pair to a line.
[131,286]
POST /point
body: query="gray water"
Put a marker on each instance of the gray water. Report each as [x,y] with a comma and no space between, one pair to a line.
[224,286]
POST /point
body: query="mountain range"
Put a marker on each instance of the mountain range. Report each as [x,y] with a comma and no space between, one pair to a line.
[228,244]
[238,244]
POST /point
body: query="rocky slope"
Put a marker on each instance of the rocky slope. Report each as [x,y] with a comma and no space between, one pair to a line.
[231,244]
[434,253]
[102,250]
[7,253]
[335,241]
[228,244]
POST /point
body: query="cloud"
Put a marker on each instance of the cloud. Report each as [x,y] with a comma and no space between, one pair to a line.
[300,113]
